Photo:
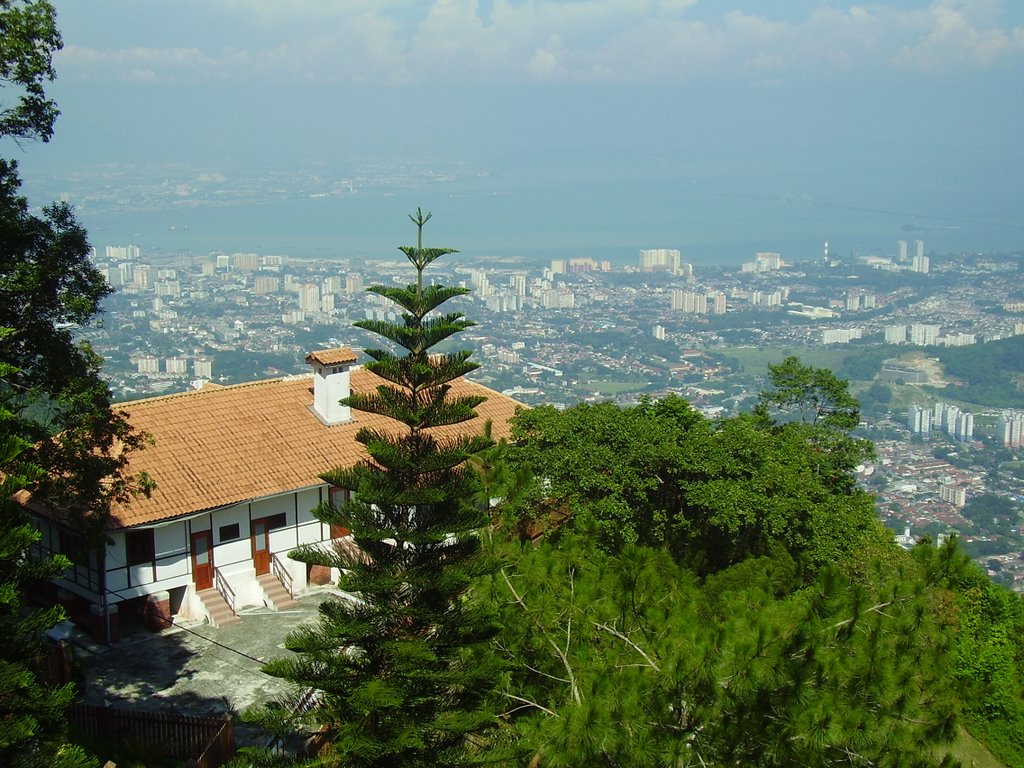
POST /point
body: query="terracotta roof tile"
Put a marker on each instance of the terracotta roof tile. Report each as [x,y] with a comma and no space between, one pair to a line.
[332,356]
[221,446]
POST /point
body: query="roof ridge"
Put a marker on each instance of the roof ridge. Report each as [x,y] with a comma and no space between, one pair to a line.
[217,388]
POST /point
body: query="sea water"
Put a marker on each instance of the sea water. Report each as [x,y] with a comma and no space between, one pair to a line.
[605,221]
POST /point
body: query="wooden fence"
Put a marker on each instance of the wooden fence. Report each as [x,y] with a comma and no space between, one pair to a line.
[210,741]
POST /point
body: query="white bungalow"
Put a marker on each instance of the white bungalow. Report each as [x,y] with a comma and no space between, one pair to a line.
[237,478]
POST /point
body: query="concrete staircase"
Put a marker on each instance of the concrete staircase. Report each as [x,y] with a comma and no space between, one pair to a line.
[276,593]
[217,608]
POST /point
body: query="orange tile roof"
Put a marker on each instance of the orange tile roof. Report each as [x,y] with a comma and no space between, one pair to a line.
[332,356]
[216,447]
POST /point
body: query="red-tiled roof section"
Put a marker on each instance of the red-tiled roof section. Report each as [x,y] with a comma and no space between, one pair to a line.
[332,356]
[222,446]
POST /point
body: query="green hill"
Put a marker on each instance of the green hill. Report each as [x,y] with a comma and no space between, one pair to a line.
[991,374]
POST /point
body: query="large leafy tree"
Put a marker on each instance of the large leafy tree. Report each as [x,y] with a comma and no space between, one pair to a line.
[59,440]
[33,729]
[28,40]
[48,288]
[403,673]
[712,493]
[816,406]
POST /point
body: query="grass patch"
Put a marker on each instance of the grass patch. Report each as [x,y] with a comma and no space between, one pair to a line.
[972,753]
[755,361]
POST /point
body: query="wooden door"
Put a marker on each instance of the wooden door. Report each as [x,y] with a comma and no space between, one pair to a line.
[202,560]
[261,546]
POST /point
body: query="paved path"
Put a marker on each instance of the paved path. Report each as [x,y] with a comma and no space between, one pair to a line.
[198,669]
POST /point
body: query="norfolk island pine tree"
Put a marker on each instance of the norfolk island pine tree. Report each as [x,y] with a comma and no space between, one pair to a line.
[405,672]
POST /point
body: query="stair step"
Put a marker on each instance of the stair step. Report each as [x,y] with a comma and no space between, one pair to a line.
[275,591]
[217,608]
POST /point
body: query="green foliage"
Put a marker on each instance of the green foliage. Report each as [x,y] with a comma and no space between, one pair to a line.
[989,374]
[32,722]
[404,670]
[865,365]
[986,622]
[714,494]
[810,395]
[48,287]
[989,510]
[717,593]
[628,659]
[28,40]
[58,438]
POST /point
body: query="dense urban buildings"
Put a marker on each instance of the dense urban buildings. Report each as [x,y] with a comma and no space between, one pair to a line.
[581,329]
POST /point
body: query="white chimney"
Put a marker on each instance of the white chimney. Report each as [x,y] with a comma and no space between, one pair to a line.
[331,383]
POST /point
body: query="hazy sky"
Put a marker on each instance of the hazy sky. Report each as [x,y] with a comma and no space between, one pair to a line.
[863,103]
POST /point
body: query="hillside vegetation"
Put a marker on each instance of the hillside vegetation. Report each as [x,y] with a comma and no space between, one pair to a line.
[992,373]
[722,594]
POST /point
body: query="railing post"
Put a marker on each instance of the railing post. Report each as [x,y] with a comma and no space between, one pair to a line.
[222,586]
[281,571]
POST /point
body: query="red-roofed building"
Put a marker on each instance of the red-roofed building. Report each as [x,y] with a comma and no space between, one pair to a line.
[237,477]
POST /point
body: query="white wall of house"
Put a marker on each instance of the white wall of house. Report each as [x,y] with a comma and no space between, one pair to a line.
[231,530]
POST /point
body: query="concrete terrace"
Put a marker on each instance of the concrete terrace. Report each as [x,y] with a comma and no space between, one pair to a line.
[195,669]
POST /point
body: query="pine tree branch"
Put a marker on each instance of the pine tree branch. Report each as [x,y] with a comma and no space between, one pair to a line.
[634,646]
[564,659]
[527,703]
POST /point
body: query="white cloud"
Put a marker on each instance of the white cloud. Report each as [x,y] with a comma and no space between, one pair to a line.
[949,36]
[395,41]
[543,64]
[136,64]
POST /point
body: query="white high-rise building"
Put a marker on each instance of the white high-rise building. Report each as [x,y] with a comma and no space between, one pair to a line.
[901,250]
[248,262]
[924,335]
[661,260]
[176,365]
[768,261]
[954,494]
[1010,429]
[168,288]
[148,364]
[895,334]
[965,427]
[951,420]
[203,368]
[142,276]
[557,298]
[920,264]
[265,284]
[309,297]
[840,335]
[919,420]
[690,302]
[123,253]
[353,283]
[717,302]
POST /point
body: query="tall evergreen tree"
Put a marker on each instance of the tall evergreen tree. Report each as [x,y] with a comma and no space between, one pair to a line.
[404,672]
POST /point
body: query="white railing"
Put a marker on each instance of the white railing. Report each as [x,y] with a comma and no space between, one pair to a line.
[282,573]
[222,586]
